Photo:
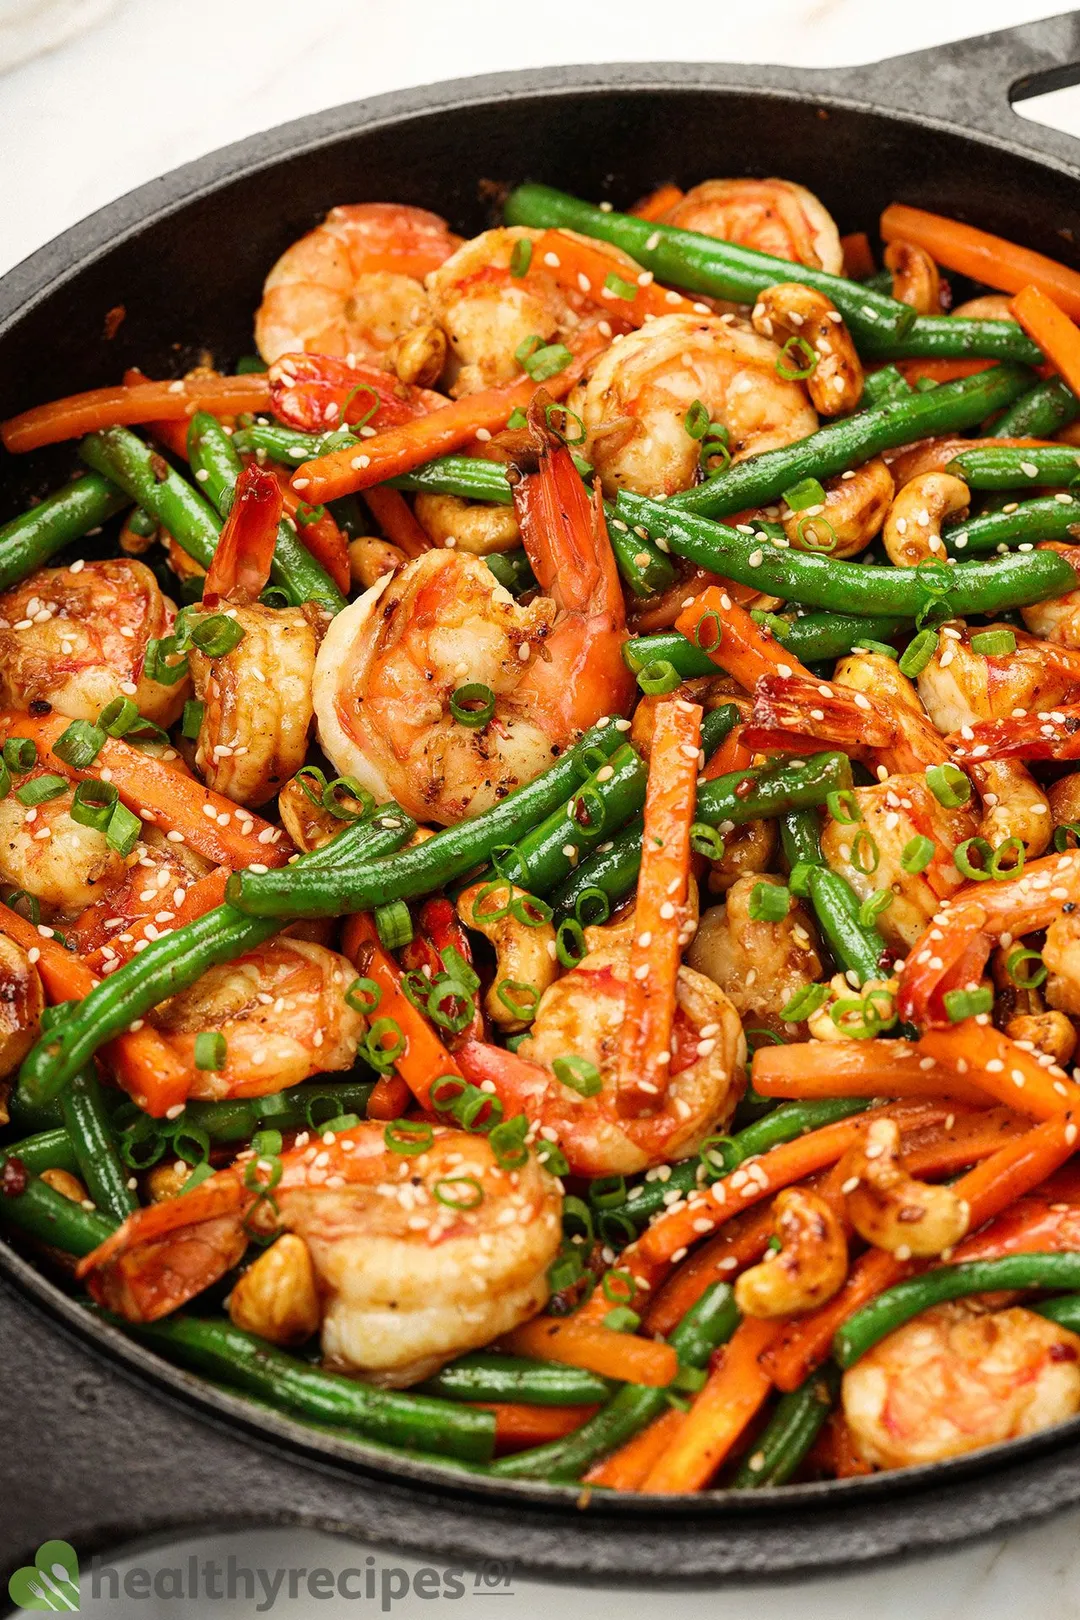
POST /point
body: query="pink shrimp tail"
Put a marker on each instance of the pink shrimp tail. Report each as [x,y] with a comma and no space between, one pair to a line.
[240,566]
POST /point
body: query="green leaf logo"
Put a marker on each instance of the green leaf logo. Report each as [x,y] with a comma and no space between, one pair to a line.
[50,1583]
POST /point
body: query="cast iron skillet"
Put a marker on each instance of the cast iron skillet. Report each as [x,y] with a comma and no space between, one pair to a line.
[104,1442]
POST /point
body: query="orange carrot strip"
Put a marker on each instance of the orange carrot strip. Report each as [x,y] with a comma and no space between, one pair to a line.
[395,518]
[995,1064]
[988,1189]
[732,755]
[736,1390]
[990,259]
[390,1097]
[858,1069]
[941,371]
[627,1468]
[424,1059]
[737,643]
[518,1425]
[663,884]
[658,202]
[584,267]
[170,797]
[738,1244]
[172,435]
[203,895]
[1052,329]
[596,1348]
[144,1063]
[319,535]
[858,257]
[70,418]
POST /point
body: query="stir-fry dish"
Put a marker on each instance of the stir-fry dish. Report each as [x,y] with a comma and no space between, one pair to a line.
[540,843]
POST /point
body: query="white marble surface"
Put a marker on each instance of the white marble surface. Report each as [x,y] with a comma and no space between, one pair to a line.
[157,83]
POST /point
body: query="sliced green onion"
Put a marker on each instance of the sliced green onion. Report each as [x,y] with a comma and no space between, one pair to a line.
[394,924]
[622,1320]
[164,662]
[716,629]
[21,897]
[473,705]
[592,907]
[521,257]
[123,831]
[843,806]
[458,1192]
[79,745]
[579,1074]
[874,905]
[769,902]
[570,946]
[1008,847]
[865,855]
[794,347]
[609,1192]
[696,420]
[539,360]
[93,804]
[266,1144]
[216,635]
[917,854]
[355,422]
[804,1002]
[705,840]
[918,652]
[211,1050]
[881,648]
[508,1142]
[117,718]
[994,643]
[40,789]
[517,418]
[963,862]
[556,418]
[960,1004]
[374,1048]
[553,1159]
[614,283]
[1062,834]
[865,1008]
[5,780]
[191,724]
[520,1000]
[346,787]
[816,534]
[458,969]
[658,677]
[409,1137]
[807,492]
[20,755]
[577,1217]
[949,785]
[450,1004]
[1026,981]
[363,996]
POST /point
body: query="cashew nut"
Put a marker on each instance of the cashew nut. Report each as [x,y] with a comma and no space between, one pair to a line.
[419,356]
[1050,1033]
[890,1209]
[276,1297]
[525,956]
[915,278]
[808,1268]
[854,510]
[791,310]
[370,558]
[990,307]
[913,525]
[21,1002]
[1064,798]
[875,993]
[470,526]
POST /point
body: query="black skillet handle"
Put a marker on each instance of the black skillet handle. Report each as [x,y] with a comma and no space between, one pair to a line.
[974,83]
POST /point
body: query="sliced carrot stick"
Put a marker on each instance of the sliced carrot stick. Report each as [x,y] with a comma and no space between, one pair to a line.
[627,1468]
[988,1189]
[395,518]
[663,885]
[164,795]
[171,434]
[734,641]
[424,1059]
[599,1349]
[740,1243]
[990,259]
[390,1097]
[858,257]
[518,1425]
[584,267]
[736,1390]
[732,755]
[70,418]
[240,566]
[144,1063]
[987,1058]
[812,1069]
[316,531]
[203,895]
[1046,322]
[658,202]
[942,371]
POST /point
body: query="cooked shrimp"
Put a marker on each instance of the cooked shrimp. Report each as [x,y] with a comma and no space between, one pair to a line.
[21,1002]
[417,1258]
[63,864]
[758,965]
[635,401]
[1058,618]
[488,311]
[773,216]
[392,661]
[282,1011]
[76,638]
[154,884]
[353,285]
[955,1379]
[580,1016]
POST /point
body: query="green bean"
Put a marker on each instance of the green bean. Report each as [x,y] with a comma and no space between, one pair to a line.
[953,337]
[410,1422]
[707,1324]
[641,563]
[293,570]
[1040,413]
[46,1150]
[791,1431]
[35,1208]
[1029,522]
[486,1376]
[428,866]
[311,1104]
[30,539]
[811,639]
[987,468]
[704,264]
[174,961]
[158,488]
[513,570]
[849,587]
[604,801]
[90,1131]
[470,478]
[904,1300]
[856,946]
[879,386]
[286,445]
[1065,1311]
[854,439]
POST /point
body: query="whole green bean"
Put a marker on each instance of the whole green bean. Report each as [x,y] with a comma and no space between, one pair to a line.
[953,337]
[856,946]
[904,1300]
[605,800]
[485,1375]
[848,442]
[146,476]
[293,570]
[703,263]
[30,539]
[850,587]
[1065,1311]
[888,383]
[432,864]
[791,1431]
[1046,518]
[708,1323]
[174,961]
[286,445]
[411,1422]
[811,639]
[1040,413]
[35,1208]
[92,1138]
[46,1150]
[470,478]
[986,468]
[641,563]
